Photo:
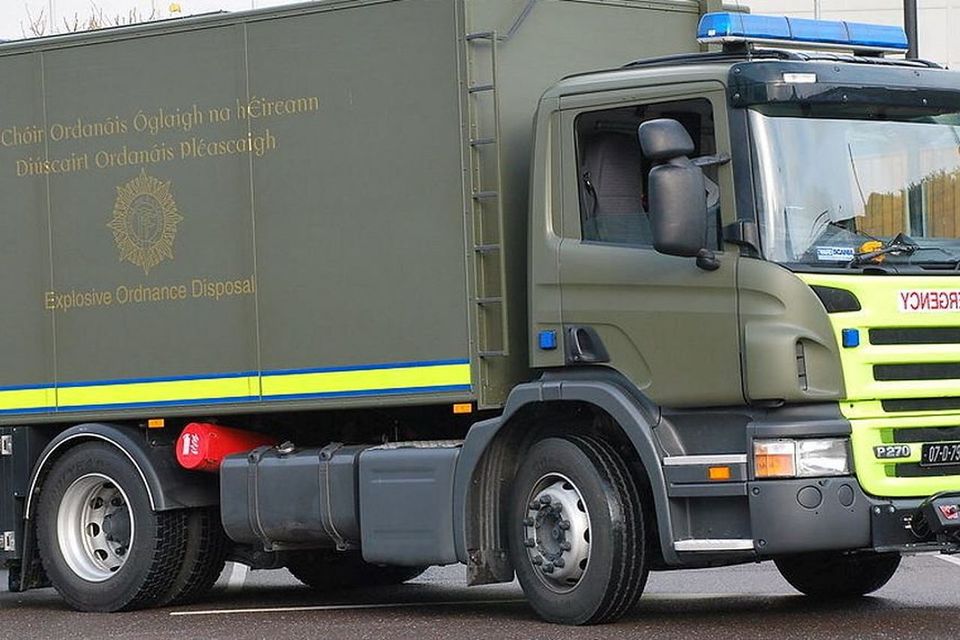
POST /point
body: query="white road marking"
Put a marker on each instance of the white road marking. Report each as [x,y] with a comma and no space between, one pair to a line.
[951,559]
[238,575]
[340,607]
[447,603]
[705,596]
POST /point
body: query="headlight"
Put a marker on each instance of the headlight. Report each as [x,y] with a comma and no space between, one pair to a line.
[828,457]
[807,458]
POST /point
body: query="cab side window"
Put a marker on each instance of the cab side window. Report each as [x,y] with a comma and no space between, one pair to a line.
[613,172]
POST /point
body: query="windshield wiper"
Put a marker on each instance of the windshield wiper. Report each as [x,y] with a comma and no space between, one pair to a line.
[901,245]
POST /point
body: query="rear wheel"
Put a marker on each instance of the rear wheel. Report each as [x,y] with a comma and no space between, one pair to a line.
[102,545]
[835,575]
[577,531]
[204,557]
[323,570]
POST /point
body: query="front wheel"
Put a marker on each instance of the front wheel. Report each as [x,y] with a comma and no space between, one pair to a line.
[577,531]
[835,575]
[101,544]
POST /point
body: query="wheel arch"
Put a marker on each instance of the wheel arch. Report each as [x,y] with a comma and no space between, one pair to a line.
[493,448]
[168,486]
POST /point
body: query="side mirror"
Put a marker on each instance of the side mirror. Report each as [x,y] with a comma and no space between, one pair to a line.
[677,191]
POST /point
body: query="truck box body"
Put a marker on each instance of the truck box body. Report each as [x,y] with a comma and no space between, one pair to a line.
[276,209]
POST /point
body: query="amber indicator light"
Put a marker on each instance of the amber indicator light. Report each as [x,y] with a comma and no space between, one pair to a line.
[718,473]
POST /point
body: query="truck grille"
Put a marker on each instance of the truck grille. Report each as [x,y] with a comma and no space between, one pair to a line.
[926,371]
[901,380]
[915,335]
[910,369]
[920,404]
[914,470]
[928,434]
[919,435]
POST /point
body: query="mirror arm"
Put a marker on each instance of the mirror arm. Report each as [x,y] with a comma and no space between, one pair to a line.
[745,234]
[717,160]
[707,260]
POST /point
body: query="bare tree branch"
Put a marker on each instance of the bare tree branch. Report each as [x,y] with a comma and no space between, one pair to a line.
[41,25]
[36,26]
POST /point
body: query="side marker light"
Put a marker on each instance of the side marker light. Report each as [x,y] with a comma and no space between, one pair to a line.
[547,340]
[850,338]
[718,473]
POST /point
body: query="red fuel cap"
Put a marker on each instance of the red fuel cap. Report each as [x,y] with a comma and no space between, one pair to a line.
[203,446]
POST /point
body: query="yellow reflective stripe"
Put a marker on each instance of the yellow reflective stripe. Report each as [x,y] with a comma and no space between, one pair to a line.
[380,379]
[168,391]
[26,399]
[427,376]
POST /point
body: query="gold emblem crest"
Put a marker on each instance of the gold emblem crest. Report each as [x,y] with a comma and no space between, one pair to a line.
[145,221]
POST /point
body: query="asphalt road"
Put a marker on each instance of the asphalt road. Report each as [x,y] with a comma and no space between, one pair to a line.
[922,601]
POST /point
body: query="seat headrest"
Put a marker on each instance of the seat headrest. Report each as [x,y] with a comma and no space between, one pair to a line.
[664,139]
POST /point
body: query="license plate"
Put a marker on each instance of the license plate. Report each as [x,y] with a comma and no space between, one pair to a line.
[940,453]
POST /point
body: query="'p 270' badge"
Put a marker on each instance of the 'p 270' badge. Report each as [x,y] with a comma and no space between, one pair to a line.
[892,451]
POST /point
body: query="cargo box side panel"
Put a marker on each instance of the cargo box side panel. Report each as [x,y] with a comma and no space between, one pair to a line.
[26,338]
[359,210]
[152,227]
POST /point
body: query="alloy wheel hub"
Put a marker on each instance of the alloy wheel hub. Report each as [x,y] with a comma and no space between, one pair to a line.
[94,527]
[557,532]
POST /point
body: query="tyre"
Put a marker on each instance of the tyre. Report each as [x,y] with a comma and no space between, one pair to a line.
[102,546]
[325,570]
[577,531]
[204,557]
[835,575]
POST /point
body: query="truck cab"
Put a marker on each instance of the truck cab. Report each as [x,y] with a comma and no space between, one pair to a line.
[793,326]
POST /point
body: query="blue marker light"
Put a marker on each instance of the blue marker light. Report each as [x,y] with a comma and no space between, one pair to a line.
[726,27]
[850,338]
[548,340]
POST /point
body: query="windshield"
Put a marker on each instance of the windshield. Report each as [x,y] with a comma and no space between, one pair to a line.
[834,190]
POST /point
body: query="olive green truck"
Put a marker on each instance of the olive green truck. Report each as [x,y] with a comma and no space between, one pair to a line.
[566,290]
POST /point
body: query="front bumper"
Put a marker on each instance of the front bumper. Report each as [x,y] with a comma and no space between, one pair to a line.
[834,514]
[810,514]
[745,519]
[748,520]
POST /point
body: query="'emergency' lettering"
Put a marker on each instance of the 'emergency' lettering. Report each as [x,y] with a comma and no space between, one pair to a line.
[913,301]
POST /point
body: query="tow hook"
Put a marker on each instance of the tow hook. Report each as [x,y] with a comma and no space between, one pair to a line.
[939,517]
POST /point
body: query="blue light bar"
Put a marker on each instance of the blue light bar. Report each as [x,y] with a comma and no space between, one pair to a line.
[800,32]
